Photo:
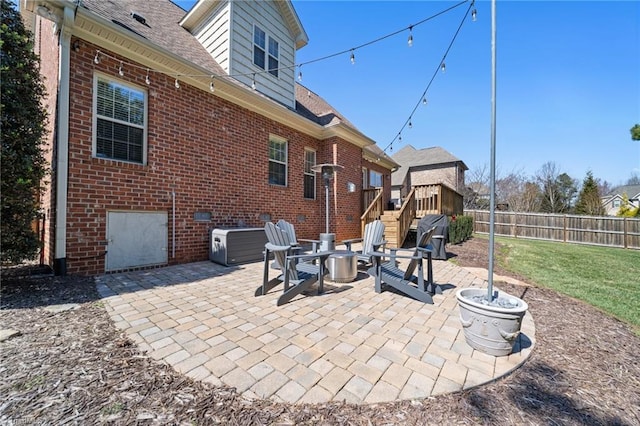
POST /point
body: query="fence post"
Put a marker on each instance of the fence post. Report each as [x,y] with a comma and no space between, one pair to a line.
[625,222]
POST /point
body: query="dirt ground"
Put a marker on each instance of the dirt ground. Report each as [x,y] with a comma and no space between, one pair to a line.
[74,367]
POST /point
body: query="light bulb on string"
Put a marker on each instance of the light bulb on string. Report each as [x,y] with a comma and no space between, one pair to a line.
[399,137]
[300,73]
[96,60]
[474,14]
[253,82]
[147,79]
[410,124]
[353,57]
[212,87]
[443,67]
[424,101]
[120,70]
[410,40]
[177,83]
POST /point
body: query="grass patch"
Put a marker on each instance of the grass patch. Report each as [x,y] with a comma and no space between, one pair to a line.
[607,278]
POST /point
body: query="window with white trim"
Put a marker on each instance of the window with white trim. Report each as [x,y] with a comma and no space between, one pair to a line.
[309,174]
[375,179]
[617,202]
[277,161]
[264,58]
[120,121]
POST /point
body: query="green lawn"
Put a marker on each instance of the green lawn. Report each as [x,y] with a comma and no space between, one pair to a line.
[607,278]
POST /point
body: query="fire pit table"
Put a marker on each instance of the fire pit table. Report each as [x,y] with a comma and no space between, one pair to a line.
[342,266]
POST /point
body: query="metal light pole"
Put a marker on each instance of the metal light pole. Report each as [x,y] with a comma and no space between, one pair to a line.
[492,186]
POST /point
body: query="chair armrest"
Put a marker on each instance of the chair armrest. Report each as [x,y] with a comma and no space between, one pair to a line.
[308,241]
[310,256]
[351,241]
[273,247]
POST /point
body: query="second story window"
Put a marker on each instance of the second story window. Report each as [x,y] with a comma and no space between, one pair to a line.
[277,162]
[263,57]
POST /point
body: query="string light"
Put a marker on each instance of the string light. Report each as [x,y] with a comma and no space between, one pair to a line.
[97,59]
[147,79]
[98,55]
[423,98]
[212,87]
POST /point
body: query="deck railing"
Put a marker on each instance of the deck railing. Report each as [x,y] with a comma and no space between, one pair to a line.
[437,199]
[405,217]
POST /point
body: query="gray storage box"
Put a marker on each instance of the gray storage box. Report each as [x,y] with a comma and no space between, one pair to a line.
[234,246]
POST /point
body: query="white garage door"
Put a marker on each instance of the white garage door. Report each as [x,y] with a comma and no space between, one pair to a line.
[136,239]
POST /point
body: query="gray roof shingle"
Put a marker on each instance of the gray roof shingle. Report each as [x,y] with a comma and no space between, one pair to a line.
[409,157]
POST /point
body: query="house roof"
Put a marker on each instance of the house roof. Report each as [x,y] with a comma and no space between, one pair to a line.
[161,33]
[161,27]
[409,157]
[632,191]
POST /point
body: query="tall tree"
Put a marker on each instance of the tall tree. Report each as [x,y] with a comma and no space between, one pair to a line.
[23,128]
[635,132]
[557,190]
[589,201]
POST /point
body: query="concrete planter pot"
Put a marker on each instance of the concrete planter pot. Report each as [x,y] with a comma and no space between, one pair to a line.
[491,329]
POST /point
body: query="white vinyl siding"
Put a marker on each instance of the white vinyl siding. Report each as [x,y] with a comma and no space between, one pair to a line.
[120,120]
[214,35]
[245,15]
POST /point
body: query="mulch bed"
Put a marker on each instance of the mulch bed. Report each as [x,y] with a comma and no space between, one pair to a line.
[74,367]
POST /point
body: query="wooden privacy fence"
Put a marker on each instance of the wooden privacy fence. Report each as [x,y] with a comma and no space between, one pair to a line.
[596,230]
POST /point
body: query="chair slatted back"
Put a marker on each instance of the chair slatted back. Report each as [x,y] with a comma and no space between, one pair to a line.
[373,233]
[423,241]
[288,228]
[278,237]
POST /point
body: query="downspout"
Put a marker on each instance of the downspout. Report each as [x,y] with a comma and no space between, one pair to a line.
[62,166]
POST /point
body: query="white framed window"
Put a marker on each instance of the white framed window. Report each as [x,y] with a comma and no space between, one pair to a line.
[277,161]
[617,203]
[375,179]
[266,51]
[120,121]
[309,174]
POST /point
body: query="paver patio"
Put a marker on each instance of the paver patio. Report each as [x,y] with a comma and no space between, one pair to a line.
[349,343]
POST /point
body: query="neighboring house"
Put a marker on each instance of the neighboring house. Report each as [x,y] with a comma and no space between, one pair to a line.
[426,166]
[166,124]
[615,199]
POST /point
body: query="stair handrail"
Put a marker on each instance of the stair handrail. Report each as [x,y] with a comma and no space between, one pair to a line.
[373,212]
[405,217]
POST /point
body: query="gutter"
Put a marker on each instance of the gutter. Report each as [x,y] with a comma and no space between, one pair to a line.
[65,24]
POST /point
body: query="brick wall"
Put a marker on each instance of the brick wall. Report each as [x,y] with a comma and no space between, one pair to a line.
[213,154]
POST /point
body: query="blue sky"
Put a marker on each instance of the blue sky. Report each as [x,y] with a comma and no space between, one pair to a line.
[568,79]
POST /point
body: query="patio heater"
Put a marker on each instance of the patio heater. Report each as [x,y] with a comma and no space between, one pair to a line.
[327,240]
